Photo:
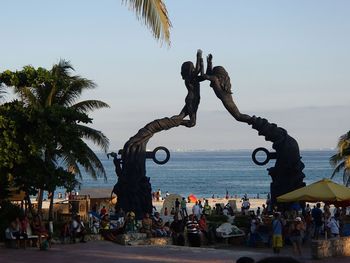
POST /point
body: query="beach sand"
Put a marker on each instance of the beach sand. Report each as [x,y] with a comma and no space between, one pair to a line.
[254,203]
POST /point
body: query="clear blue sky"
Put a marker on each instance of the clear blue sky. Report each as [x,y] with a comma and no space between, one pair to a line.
[288,61]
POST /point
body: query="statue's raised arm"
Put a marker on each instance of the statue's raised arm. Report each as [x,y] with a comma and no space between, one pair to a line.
[221,84]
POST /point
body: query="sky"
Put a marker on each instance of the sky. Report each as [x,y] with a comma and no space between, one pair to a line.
[288,62]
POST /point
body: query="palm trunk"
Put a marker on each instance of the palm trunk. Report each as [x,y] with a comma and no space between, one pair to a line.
[40,200]
[51,194]
[30,207]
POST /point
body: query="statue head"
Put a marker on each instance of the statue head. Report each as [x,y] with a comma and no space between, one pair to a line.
[187,70]
[223,77]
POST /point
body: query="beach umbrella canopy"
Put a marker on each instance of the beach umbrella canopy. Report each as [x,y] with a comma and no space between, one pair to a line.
[192,198]
[324,190]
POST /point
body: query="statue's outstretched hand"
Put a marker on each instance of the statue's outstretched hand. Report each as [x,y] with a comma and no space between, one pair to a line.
[209,58]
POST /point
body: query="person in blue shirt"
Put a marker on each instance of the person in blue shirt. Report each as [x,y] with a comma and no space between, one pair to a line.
[277,242]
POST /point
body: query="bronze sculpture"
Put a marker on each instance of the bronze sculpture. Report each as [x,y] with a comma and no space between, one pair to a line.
[133,187]
[287,174]
[221,84]
[192,80]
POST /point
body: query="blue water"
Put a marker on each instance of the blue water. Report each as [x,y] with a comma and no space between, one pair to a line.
[208,173]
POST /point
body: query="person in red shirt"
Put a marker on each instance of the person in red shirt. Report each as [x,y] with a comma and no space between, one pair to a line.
[103,211]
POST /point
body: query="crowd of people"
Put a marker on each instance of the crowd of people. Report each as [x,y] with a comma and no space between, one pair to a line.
[186,222]
[296,226]
[72,230]
[21,228]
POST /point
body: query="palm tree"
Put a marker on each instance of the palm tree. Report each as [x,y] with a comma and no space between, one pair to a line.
[43,89]
[2,92]
[155,15]
[341,160]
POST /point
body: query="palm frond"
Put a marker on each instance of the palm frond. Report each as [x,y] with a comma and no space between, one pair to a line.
[155,16]
[97,137]
[28,96]
[89,105]
[70,161]
[337,169]
[93,166]
[71,92]
[62,68]
[334,159]
[2,92]
[346,175]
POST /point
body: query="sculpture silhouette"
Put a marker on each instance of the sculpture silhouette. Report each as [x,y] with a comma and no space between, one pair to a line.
[133,188]
[221,84]
[190,73]
[287,174]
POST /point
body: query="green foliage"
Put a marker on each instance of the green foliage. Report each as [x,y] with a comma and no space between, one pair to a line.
[42,135]
[155,16]
[4,187]
[341,160]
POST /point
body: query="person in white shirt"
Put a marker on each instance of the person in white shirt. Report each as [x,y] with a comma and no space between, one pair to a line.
[245,206]
[196,210]
[78,229]
[333,225]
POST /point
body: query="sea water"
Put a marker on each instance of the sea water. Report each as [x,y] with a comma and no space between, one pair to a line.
[207,173]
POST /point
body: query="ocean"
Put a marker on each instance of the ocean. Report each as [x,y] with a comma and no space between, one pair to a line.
[205,173]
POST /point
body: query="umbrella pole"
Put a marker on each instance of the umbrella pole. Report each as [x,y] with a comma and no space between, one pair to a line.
[325,228]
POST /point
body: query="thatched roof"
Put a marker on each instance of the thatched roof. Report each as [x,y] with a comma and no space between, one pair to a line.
[96,192]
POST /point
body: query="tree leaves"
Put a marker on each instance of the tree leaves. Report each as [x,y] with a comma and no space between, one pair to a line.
[341,160]
[155,15]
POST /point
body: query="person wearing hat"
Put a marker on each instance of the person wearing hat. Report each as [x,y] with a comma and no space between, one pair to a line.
[130,223]
[296,234]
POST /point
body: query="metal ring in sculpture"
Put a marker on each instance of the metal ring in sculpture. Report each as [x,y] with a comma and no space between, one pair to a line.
[159,149]
[262,149]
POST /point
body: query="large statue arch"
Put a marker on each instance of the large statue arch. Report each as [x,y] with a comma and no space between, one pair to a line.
[133,188]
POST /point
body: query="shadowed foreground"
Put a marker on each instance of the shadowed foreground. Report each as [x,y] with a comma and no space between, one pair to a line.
[105,252]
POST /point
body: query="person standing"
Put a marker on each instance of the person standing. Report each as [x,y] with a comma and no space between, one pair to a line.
[258,211]
[317,214]
[177,206]
[206,208]
[296,235]
[183,207]
[333,226]
[277,241]
[196,210]
[245,206]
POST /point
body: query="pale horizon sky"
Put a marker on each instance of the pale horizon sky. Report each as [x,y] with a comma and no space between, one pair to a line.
[288,61]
